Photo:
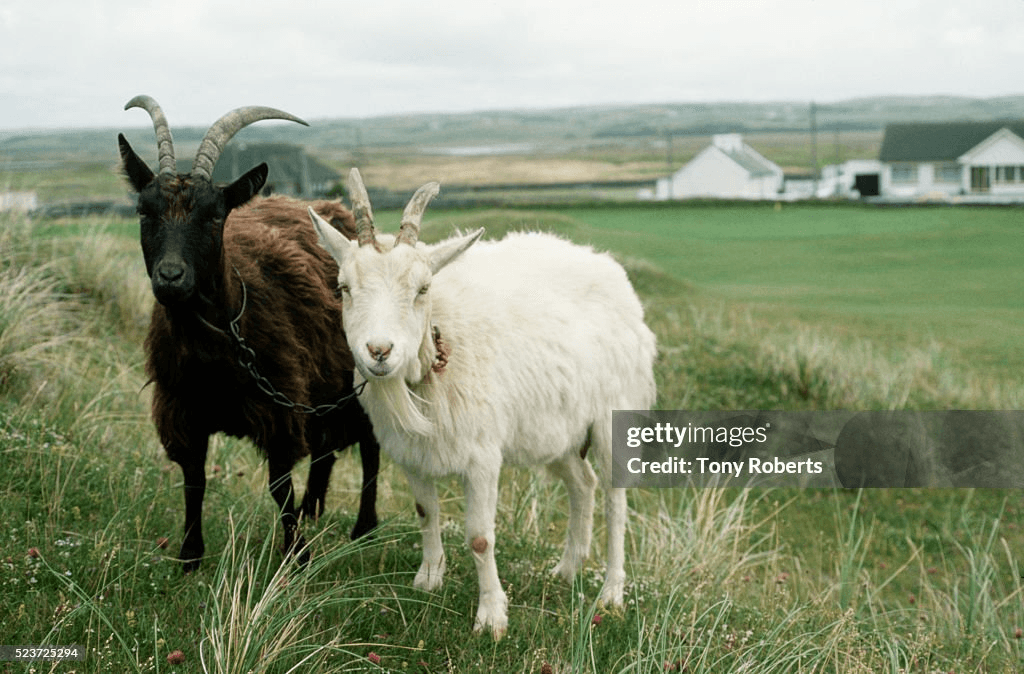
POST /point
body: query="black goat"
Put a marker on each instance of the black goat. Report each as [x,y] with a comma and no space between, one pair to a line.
[244,338]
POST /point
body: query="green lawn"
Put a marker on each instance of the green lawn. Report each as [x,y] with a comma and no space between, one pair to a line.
[955,275]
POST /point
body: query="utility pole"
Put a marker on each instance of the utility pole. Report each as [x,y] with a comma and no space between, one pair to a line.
[668,159]
[814,148]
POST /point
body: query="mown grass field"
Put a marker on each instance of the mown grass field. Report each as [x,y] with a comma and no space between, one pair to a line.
[953,275]
[799,308]
[895,275]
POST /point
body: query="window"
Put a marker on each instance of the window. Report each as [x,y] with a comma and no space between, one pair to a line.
[980,178]
[904,173]
[947,173]
[1009,175]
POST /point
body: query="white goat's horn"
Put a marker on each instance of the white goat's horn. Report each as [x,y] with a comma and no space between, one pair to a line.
[409,232]
[226,127]
[365,233]
[164,142]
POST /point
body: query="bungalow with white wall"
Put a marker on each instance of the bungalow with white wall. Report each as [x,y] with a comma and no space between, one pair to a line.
[962,161]
[850,180]
[18,202]
[728,169]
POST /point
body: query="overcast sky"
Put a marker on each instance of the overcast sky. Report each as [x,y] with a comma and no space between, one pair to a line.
[76,62]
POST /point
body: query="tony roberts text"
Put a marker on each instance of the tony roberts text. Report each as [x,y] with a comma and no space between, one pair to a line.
[705,466]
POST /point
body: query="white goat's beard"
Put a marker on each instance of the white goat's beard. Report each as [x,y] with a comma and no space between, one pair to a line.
[403,405]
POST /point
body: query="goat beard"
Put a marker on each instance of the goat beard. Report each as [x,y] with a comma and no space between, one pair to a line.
[404,406]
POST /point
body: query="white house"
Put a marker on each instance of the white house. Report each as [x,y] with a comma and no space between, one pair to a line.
[19,202]
[968,161]
[728,169]
[851,179]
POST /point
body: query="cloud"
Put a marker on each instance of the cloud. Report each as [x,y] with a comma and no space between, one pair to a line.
[75,63]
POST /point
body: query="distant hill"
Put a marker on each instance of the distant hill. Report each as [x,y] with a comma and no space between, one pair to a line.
[547,130]
[575,126]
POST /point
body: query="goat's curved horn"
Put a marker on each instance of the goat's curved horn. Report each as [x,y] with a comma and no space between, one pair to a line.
[409,231]
[365,233]
[226,127]
[164,142]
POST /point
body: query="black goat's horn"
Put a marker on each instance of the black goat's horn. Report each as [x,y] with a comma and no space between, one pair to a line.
[409,231]
[226,127]
[365,233]
[164,142]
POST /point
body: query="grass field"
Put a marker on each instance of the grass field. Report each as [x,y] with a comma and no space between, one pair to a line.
[803,308]
[892,274]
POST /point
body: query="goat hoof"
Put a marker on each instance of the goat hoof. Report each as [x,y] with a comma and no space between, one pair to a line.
[311,508]
[612,594]
[299,551]
[190,558]
[566,569]
[430,577]
[492,614]
[497,632]
[362,528]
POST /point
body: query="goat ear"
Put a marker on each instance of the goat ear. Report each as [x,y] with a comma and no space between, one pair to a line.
[329,238]
[443,253]
[139,175]
[246,187]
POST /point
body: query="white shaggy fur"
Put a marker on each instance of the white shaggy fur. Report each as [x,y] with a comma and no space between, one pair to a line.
[546,338]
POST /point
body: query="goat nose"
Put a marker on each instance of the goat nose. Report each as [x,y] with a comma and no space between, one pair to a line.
[169,273]
[379,351]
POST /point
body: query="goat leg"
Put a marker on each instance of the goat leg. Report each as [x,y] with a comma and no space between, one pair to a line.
[193,468]
[320,465]
[280,477]
[369,453]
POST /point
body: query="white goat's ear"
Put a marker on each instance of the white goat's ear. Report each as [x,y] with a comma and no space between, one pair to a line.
[445,252]
[329,238]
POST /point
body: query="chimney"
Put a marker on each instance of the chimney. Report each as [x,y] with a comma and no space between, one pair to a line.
[728,142]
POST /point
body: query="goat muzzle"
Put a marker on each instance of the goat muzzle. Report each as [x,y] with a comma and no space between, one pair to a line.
[173,282]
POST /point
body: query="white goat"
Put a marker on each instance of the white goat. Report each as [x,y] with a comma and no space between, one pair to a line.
[513,351]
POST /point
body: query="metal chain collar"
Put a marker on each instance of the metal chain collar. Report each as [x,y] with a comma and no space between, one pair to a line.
[247,359]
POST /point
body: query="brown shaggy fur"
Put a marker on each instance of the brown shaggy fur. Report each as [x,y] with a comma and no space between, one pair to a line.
[290,305]
[292,321]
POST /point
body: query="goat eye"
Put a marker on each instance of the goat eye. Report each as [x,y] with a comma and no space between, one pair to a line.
[423,289]
[343,289]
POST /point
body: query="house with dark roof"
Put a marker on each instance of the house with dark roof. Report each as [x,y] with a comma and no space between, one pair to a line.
[728,169]
[292,171]
[968,161]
